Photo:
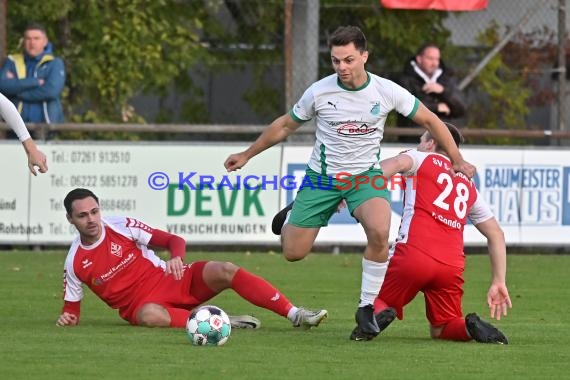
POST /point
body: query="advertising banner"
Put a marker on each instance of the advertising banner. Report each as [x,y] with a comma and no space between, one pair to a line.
[14,195]
[527,190]
[183,189]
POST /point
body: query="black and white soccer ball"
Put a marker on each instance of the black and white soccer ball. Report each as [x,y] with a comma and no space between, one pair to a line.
[208,325]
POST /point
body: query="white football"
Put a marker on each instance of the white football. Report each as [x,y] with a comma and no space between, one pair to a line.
[208,325]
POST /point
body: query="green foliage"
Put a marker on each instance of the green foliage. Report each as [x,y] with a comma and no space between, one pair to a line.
[117,49]
[504,96]
[389,47]
[104,346]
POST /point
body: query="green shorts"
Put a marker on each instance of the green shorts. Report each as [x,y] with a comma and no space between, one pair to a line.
[319,196]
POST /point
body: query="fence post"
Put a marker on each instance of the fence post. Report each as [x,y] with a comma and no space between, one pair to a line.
[561,67]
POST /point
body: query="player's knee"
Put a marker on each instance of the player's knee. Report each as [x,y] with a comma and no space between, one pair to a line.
[377,236]
[153,315]
[227,272]
[292,254]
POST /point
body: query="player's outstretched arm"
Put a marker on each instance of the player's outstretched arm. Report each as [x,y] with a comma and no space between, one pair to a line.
[498,298]
[276,132]
[398,164]
[10,114]
[440,133]
[36,158]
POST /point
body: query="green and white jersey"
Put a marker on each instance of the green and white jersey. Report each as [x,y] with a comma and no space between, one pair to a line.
[350,122]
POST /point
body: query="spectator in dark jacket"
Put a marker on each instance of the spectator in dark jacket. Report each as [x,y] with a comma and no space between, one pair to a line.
[426,77]
[34,79]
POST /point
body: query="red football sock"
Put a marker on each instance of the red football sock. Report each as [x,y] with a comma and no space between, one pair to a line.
[455,330]
[379,305]
[178,317]
[260,292]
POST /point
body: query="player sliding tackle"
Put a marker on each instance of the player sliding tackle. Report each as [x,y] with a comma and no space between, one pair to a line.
[112,257]
[428,252]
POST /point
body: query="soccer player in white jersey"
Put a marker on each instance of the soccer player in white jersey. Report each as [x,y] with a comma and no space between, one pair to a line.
[427,255]
[350,108]
[112,257]
[11,116]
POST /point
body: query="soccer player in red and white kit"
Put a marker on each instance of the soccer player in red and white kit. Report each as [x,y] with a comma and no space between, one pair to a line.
[428,256]
[112,257]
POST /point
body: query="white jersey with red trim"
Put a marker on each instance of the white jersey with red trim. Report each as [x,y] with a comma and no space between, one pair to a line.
[436,208]
[118,268]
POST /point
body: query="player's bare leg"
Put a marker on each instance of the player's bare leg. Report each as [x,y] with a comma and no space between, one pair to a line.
[218,275]
[153,315]
[297,242]
[258,291]
[374,215]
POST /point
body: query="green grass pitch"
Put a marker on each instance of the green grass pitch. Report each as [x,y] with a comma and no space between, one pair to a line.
[105,347]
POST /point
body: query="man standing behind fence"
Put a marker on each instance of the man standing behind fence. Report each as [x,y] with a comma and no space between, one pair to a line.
[426,77]
[350,108]
[34,79]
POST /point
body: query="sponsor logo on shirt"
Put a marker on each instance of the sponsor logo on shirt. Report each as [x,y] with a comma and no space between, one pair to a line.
[355,130]
[113,271]
[86,263]
[116,249]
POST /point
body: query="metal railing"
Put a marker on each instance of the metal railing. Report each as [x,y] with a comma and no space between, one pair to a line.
[43,131]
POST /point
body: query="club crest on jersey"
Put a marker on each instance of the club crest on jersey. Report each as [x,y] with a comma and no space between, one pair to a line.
[375,110]
[116,249]
[138,224]
[355,130]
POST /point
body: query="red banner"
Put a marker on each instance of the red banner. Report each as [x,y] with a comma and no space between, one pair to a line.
[438,5]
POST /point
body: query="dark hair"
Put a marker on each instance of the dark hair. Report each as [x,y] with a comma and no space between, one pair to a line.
[344,35]
[35,26]
[421,50]
[455,133]
[77,194]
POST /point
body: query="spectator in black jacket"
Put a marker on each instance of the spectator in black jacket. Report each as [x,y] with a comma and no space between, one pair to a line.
[426,77]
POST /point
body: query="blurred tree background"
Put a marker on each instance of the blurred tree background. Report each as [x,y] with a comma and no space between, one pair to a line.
[118,50]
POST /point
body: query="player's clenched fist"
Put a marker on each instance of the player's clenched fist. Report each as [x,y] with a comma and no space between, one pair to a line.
[235,161]
[67,319]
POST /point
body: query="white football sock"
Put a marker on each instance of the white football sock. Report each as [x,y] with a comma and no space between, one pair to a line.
[292,313]
[373,274]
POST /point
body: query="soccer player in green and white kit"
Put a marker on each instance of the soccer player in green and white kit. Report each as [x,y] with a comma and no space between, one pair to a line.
[350,108]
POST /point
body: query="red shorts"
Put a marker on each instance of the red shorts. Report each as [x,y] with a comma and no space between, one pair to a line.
[411,271]
[186,293]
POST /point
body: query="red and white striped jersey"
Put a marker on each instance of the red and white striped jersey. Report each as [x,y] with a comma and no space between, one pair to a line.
[436,207]
[118,268]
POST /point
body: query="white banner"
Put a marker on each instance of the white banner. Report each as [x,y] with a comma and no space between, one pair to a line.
[183,189]
[527,190]
[14,195]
